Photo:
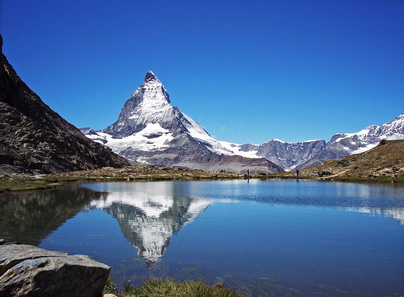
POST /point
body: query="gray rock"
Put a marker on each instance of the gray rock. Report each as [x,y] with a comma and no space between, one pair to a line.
[9,169]
[12,254]
[29,271]
[289,155]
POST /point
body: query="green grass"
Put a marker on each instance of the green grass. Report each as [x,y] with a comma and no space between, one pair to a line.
[22,185]
[169,287]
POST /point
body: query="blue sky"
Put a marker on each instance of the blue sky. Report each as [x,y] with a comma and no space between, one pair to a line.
[247,71]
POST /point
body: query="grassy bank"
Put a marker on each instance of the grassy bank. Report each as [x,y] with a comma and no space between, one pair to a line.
[169,287]
[341,178]
[26,183]
[381,164]
[16,182]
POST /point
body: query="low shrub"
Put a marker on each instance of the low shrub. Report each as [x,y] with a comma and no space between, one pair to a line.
[170,287]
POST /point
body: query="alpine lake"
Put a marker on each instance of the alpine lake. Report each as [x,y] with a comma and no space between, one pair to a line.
[264,238]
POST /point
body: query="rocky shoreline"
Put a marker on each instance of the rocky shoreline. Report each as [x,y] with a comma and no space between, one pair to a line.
[26,270]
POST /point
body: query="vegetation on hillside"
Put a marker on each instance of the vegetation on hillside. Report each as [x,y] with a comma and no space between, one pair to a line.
[384,162]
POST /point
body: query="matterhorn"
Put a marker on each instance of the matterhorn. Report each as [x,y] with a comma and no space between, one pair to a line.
[149,130]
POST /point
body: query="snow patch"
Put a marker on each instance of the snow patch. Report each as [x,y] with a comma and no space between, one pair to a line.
[139,141]
[236,150]
[363,149]
[198,133]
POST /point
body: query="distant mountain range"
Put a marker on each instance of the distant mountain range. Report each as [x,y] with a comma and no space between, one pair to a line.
[384,162]
[34,138]
[342,145]
[150,130]
[297,155]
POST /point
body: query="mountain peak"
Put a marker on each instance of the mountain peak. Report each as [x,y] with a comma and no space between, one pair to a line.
[400,117]
[150,76]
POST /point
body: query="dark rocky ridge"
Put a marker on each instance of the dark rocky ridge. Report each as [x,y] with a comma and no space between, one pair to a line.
[290,155]
[35,138]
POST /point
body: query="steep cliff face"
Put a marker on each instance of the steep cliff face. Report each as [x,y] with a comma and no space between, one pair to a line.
[290,155]
[35,138]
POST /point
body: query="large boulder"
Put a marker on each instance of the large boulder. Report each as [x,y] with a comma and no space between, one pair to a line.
[30,271]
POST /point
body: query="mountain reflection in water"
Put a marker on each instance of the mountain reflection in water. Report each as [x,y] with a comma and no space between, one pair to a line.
[271,237]
[149,214]
[30,217]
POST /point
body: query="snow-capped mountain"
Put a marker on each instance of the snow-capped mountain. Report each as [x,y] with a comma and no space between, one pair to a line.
[150,130]
[287,155]
[345,144]
[297,155]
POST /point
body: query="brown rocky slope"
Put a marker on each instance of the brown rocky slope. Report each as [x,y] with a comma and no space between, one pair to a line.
[384,162]
[35,138]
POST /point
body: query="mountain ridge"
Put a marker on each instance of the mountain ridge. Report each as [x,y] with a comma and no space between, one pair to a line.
[384,162]
[299,155]
[346,144]
[35,138]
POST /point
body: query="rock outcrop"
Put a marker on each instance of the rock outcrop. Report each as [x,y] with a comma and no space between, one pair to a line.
[35,138]
[26,270]
[290,155]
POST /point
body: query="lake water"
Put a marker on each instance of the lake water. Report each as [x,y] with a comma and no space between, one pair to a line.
[291,238]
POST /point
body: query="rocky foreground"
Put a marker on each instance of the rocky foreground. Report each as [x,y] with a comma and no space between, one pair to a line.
[26,270]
